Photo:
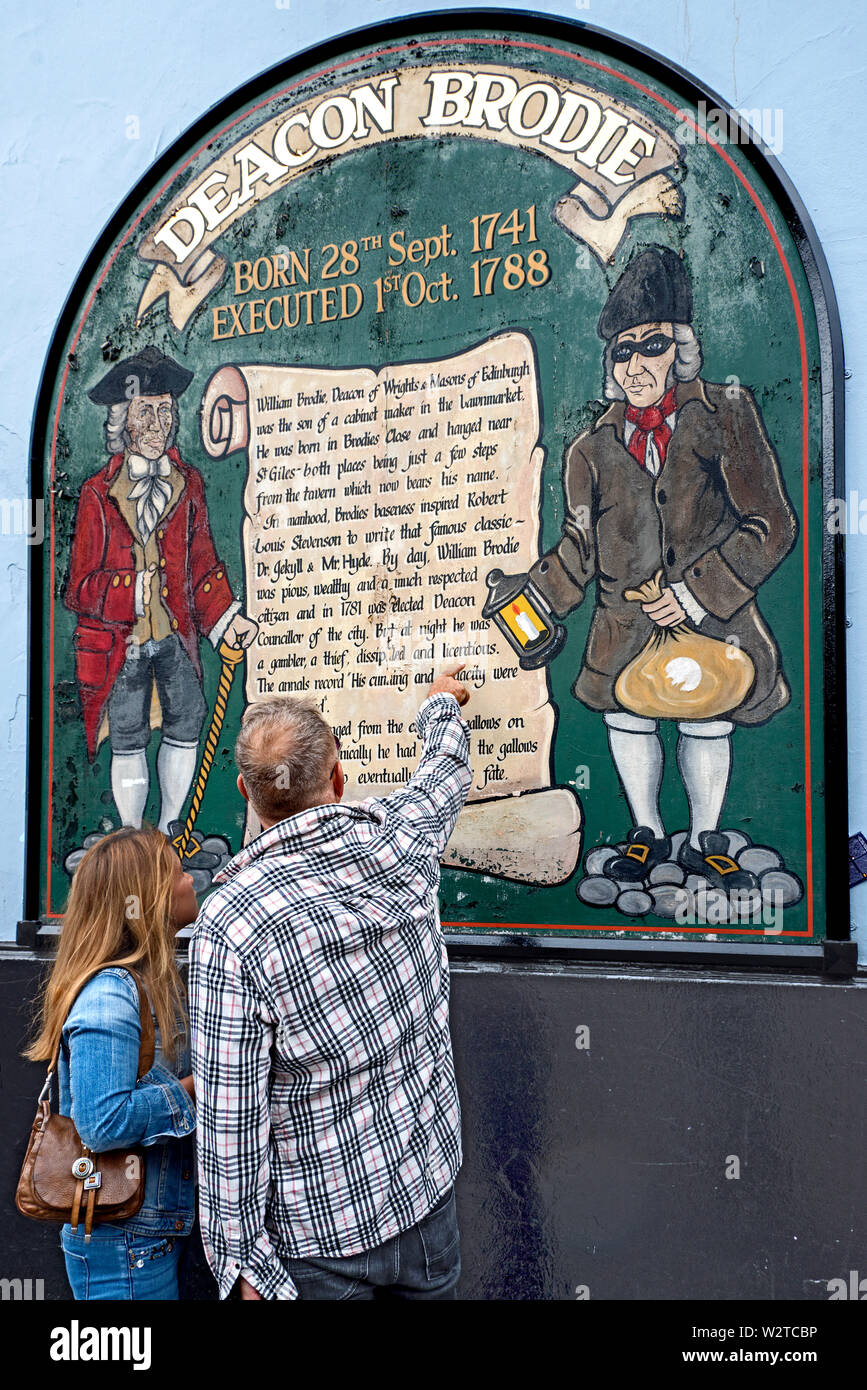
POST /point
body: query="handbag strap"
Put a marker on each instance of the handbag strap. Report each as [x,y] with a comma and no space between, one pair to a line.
[146,1043]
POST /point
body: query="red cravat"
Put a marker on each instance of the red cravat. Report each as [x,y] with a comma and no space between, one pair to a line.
[649,421]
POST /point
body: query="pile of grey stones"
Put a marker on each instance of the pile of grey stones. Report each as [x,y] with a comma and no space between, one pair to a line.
[202,878]
[669,891]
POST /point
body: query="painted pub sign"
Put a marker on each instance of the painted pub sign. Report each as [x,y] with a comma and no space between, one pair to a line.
[435,346]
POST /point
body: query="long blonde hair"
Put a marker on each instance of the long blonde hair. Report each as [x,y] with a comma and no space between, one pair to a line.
[119,914]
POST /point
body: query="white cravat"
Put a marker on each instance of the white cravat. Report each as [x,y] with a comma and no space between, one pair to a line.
[151,492]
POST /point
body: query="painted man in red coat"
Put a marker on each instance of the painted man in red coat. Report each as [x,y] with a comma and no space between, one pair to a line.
[147,585]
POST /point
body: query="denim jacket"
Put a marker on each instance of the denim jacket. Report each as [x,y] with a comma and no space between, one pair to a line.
[110,1107]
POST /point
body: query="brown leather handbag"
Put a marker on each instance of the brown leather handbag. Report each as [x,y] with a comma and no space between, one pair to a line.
[61,1177]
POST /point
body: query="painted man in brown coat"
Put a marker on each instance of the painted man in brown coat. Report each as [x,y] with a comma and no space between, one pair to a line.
[677,475]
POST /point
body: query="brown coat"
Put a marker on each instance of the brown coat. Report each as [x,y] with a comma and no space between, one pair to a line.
[718,518]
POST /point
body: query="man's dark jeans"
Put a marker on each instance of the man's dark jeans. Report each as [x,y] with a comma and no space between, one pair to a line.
[421,1263]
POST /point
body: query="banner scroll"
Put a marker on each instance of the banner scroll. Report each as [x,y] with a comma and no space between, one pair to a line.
[618,160]
[374,506]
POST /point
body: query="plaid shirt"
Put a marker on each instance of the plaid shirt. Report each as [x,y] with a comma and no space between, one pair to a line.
[328,1114]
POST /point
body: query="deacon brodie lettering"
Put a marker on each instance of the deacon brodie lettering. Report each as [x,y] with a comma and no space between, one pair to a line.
[615,156]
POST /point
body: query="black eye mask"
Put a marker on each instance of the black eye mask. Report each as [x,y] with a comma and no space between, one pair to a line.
[653,346]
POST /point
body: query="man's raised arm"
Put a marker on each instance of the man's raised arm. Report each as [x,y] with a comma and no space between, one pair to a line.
[434,796]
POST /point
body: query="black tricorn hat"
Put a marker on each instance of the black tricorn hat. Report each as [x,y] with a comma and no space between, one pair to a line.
[148,373]
[654,288]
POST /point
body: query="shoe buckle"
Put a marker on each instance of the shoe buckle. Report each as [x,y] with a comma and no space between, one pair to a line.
[723,863]
[639,852]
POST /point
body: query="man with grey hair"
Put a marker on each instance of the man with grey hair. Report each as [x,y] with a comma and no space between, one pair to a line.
[327,1110]
[146,583]
[677,475]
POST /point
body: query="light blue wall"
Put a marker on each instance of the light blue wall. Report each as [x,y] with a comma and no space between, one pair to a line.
[74,72]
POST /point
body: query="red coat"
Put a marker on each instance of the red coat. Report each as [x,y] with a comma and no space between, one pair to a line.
[101,583]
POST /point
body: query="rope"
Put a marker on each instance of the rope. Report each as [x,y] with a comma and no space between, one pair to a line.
[230,657]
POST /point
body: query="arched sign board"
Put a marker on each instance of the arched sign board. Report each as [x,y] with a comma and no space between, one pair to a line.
[437,345]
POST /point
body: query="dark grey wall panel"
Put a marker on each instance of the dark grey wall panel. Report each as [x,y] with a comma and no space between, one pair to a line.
[606,1167]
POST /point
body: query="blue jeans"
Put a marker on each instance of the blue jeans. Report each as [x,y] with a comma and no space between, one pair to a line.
[421,1263]
[120,1265]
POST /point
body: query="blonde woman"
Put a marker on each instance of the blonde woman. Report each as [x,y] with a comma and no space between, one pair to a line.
[129,896]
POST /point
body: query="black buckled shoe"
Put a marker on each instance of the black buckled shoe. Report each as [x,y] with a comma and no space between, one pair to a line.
[714,863]
[643,851]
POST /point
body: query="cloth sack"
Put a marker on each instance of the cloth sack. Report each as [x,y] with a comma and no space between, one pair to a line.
[681,674]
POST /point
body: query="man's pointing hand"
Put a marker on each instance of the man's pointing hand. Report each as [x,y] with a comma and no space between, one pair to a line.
[447,685]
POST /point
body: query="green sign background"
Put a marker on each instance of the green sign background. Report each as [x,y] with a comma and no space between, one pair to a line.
[745,319]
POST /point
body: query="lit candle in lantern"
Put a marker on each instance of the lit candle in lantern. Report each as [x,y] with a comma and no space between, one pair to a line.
[516,607]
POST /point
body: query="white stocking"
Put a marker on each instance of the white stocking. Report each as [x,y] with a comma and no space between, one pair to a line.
[129,785]
[704,757]
[637,753]
[176,764]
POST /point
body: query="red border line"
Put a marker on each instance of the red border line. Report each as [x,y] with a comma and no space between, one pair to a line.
[805,531]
